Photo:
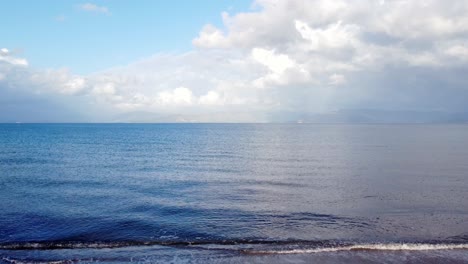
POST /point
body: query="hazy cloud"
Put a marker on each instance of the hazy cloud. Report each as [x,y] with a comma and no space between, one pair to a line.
[60,18]
[94,8]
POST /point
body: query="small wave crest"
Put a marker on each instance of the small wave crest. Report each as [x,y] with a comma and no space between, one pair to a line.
[117,244]
[87,245]
[365,247]
[64,245]
[15,261]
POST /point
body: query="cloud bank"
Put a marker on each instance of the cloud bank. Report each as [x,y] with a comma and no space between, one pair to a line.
[283,56]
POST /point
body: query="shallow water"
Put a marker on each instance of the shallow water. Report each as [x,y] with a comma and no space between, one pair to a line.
[233,193]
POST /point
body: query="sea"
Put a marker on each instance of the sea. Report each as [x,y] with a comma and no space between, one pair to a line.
[233,193]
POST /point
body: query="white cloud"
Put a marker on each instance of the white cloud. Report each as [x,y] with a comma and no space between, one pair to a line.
[104,89]
[180,96]
[74,85]
[291,55]
[458,51]
[94,8]
[277,63]
[211,98]
[335,35]
[60,81]
[210,37]
[337,79]
[8,57]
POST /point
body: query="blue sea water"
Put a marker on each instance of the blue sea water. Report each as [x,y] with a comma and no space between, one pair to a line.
[233,193]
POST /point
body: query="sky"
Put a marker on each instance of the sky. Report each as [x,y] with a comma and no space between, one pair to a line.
[229,61]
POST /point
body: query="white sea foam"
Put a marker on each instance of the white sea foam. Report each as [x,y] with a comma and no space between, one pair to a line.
[15,261]
[368,247]
[35,245]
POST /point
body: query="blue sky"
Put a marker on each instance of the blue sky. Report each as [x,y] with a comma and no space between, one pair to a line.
[56,34]
[232,61]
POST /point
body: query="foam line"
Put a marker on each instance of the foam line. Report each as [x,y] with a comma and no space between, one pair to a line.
[366,247]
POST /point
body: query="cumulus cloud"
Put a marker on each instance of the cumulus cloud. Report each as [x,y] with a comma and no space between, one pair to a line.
[31,95]
[211,98]
[277,63]
[338,42]
[291,55]
[178,96]
[335,35]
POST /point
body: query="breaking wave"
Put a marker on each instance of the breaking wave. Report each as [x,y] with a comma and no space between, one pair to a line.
[366,247]
[247,246]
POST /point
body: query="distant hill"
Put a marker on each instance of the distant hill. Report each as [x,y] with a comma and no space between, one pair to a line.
[351,116]
[373,116]
[216,117]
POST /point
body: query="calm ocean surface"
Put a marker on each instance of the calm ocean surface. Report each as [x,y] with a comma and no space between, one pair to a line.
[216,193]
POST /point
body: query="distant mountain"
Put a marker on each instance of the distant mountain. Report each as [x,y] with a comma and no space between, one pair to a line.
[143,117]
[216,117]
[374,116]
[351,116]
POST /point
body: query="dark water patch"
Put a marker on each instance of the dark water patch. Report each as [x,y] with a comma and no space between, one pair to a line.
[459,238]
